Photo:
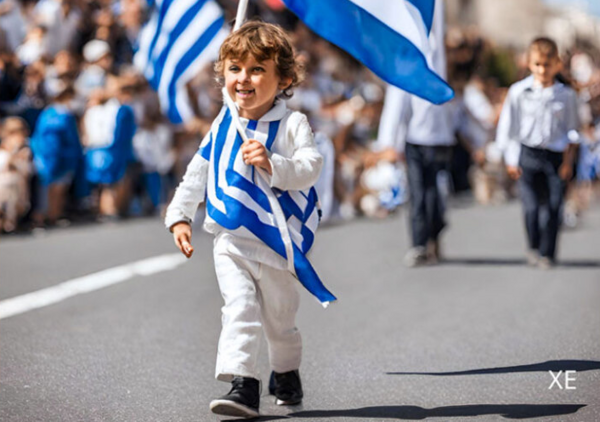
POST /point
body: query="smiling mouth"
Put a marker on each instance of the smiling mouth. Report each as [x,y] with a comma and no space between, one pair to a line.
[244,92]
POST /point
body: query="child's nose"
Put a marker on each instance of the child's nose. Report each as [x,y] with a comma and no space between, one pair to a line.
[244,75]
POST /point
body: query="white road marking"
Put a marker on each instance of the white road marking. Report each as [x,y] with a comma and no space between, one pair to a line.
[38,299]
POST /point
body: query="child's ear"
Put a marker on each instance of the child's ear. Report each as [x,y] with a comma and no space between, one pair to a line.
[284,83]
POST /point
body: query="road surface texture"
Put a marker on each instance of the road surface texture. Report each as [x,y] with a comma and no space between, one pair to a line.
[481,337]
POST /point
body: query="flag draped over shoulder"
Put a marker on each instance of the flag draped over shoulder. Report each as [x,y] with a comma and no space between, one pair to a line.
[390,37]
[180,38]
[237,197]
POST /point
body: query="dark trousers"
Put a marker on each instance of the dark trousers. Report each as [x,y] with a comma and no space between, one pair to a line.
[426,201]
[542,192]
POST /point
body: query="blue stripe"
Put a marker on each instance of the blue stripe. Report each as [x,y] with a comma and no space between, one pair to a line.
[426,8]
[309,277]
[186,61]
[252,124]
[181,26]
[387,53]
[206,149]
[164,7]
[273,128]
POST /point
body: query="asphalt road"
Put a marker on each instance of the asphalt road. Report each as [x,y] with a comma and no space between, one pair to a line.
[472,339]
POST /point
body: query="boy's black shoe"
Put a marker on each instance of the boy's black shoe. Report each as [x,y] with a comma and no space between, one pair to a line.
[242,401]
[286,388]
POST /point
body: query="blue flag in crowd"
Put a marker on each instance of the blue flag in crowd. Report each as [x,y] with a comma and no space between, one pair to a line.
[390,37]
[180,38]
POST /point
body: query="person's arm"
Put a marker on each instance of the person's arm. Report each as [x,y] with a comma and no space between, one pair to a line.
[572,126]
[506,135]
[191,191]
[302,169]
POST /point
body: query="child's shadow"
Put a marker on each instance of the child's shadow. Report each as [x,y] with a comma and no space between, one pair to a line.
[509,411]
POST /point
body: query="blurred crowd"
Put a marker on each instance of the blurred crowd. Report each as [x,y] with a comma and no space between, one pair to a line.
[83,137]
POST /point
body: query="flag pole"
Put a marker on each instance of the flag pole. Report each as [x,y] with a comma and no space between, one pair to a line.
[240,16]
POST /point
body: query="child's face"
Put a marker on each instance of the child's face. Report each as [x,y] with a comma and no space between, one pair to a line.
[544,68]
[253,85]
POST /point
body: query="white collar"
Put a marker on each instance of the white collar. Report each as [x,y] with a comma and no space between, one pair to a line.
[277,112]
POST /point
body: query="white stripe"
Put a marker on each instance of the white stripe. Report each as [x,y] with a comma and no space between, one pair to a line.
[140,59]
[209,13]
[172,17]
[400,15]
[211,52]
[89,283]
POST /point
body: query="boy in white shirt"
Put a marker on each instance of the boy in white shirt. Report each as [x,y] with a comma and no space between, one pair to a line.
[538,132]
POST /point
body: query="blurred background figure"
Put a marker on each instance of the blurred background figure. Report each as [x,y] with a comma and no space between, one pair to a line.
[98,67]
[46,44]
[109,126]
[15,170]
[154,149]
[56,154]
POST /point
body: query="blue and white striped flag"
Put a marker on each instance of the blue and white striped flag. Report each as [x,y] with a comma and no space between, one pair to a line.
[180,38]
[238,199]
[390,37]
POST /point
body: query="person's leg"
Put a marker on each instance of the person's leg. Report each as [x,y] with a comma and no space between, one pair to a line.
[239,342]
[108,201]
[152,183]
[416,183]
[529,188]
[57,193]
[438,160]
[279,300]
[555,190]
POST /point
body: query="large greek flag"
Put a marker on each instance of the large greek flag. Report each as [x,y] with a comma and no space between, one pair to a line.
[180,38]
[390,37]
[237,198]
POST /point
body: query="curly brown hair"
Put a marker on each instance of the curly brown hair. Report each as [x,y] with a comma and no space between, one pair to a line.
[264,41]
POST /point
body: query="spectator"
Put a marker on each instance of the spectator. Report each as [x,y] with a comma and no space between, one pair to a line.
[153,147]
[15,170]
[64,20]
[98,69]
[56,154]
[109,125]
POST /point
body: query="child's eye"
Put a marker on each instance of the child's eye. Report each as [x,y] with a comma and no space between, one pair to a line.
[233,68]
[259,69]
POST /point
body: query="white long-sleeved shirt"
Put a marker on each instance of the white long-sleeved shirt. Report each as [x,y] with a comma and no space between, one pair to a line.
[295,163]
[537,117]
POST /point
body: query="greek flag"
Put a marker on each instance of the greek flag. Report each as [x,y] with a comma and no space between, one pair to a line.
[390,37]
[238,198]
[180,38]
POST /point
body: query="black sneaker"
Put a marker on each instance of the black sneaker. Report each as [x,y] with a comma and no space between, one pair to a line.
[242,401]
[286,388]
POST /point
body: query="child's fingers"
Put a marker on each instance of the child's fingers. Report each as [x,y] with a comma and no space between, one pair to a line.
[251,145]
[251,157]
[183,243]
[188,249]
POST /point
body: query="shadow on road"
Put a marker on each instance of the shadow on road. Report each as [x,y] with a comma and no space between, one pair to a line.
[509,411]
[517,262]
[551,365]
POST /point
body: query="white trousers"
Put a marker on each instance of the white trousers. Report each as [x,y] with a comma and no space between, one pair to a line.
[257,298]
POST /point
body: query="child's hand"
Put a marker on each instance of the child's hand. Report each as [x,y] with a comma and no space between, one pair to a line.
[514,172]
[565,171]
[255,154]
[182,234]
